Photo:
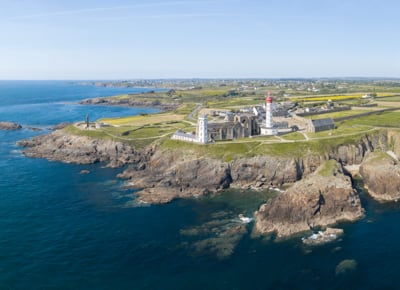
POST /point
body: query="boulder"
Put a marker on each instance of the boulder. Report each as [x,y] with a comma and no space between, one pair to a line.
[9,126]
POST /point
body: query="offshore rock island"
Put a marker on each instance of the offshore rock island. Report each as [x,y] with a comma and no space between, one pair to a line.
[306,144]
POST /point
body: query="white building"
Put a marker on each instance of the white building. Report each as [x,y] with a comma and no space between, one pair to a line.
[201,134]
[182,136]
[268,129]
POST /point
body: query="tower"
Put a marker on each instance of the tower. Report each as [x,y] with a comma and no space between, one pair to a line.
[202,130]
[269,122]
[268,129]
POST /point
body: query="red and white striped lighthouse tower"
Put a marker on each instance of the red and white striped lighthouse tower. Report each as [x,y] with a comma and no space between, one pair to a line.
[269,122]
[268,129]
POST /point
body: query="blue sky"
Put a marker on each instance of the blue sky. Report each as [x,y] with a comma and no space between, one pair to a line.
[120,39]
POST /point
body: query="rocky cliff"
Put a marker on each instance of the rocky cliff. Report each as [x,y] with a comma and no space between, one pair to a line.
[61,146]
[323,198]
[319,196]
[354,153]
[173,173]
[165,174]
[381,175]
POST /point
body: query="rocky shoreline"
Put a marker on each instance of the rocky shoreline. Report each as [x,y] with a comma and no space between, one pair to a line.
[10,126]
[60,146]
[320,193]
[125,102]
[321,199]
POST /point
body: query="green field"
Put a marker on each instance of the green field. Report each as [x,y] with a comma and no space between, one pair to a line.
[384,119]
[228,151]
[338,114]
[143,120]
[295,136]
[144,130]
[389,99]
[139,137]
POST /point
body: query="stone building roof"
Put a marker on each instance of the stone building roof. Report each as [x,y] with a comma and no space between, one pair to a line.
[323,122]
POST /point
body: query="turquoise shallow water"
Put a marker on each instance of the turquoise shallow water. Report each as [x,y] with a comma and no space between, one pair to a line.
[63,230]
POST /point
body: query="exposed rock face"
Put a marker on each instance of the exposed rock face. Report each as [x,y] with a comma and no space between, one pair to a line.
[128,102]
[9,126]
[167,174]
[171,175]
[355,153]
[79,149]
[269,170]
[321,199]
[381,174]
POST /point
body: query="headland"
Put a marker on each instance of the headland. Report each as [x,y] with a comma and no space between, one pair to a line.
[318,132]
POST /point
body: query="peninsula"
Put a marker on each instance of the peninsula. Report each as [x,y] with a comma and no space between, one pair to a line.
[308,137]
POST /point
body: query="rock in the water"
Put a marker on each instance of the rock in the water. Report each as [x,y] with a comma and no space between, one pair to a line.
[321,199]
[381,174]
[323,237]
[345,266]
[84,172]
[9,126]
[34,129]
[220,236]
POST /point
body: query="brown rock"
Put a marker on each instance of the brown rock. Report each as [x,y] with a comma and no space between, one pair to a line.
[61,146]
[381,174]
[324,198]
[9,126]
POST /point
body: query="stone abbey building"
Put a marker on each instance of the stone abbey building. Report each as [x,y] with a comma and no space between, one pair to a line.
[242,126]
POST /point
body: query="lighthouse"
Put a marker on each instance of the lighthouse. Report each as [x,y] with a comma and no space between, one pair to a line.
[268,129]
[202,130]
[269,122]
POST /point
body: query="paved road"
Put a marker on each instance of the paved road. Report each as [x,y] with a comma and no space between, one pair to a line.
[198,107]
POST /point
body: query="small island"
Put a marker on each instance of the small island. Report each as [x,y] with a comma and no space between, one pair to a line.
[10,126]
[306,137]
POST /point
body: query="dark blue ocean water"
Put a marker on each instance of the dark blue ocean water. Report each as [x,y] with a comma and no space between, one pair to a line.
[63,230]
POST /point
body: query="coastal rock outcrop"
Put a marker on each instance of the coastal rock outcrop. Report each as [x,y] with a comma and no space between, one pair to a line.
[170,174]
[351,154]
[381,174]
[9,126]
[131,102]
[61,146]
[271,171]
[321,199]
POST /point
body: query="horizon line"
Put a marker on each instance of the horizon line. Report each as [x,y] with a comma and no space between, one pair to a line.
[208,78]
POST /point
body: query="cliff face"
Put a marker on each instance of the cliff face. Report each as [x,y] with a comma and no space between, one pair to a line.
[171,173]
[323,198]
[381,175]
[319,196]
[79,149]
[167,174]
[355,153]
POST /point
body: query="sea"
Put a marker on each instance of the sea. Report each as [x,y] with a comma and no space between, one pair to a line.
[60,229]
